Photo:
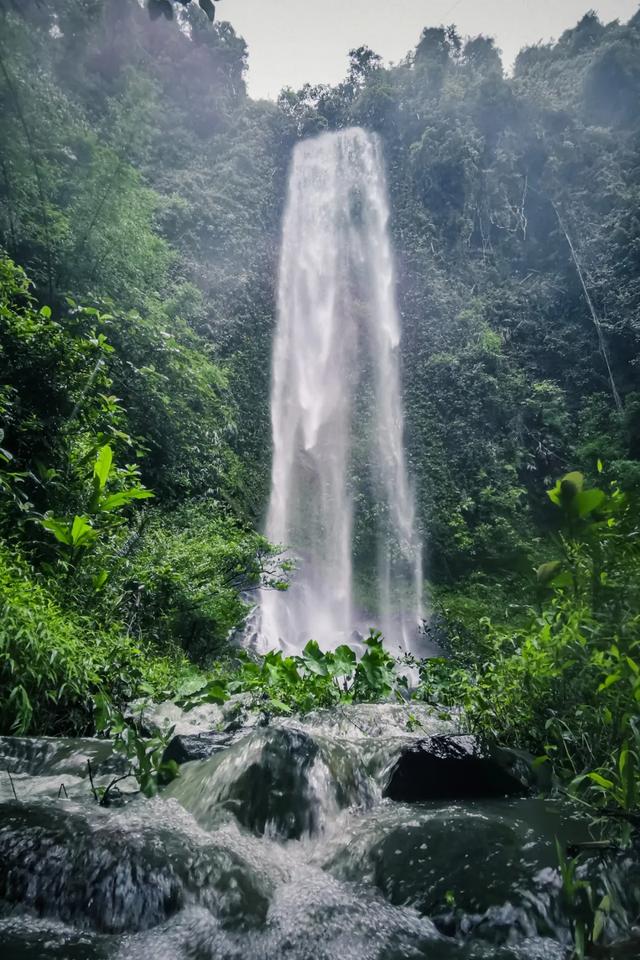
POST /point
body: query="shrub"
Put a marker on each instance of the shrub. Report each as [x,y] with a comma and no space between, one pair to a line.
[53,663]
[186,577]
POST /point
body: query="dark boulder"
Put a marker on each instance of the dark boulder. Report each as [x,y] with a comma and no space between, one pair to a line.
[273,792]
[201,746]
[265,780]
[119,871]
[474,867]
[452,768]
[23,939]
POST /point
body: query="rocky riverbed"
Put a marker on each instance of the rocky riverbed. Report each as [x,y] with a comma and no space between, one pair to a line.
[363,833]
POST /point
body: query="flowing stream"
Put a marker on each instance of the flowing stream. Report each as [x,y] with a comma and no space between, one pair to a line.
[340,501]
[282,839]
[279,846]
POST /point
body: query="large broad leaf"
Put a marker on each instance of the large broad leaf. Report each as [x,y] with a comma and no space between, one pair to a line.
[344,661]
[82,533]
[59,529]
[566,489]
[587,501]
[122,497]
[377,669]
[314,659]
[103,464]
[572,483]
[213,693]
[546,572]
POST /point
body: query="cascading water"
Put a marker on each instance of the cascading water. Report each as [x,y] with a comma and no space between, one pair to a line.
[340,499]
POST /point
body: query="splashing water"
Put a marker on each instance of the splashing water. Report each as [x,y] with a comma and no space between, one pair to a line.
[340,499]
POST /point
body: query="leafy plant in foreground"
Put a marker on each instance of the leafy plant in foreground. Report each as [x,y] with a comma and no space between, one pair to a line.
[144,754]
[311,680]
[54,661]
[80,534]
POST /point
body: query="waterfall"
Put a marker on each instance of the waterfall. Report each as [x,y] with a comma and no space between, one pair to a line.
[340,500]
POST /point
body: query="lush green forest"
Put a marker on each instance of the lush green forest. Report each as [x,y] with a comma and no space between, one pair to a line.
[141,196]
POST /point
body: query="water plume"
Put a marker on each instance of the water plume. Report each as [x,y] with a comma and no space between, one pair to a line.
[340,500]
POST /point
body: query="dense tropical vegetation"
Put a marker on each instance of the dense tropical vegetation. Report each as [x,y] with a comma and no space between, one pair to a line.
[140,200]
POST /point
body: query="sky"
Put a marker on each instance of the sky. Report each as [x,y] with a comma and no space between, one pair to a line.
[292,42]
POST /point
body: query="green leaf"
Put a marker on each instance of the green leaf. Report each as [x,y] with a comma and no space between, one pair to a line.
[633,666]
[609,681]
[626,766]
[600,780]
[45,312]
[572,483]
[547,571]
[279,705]
[539,761]
[563,579]
[82,533]
[599,465]
[314,659]
[103,712]
[100,579]
[213,693]
[122,497]
[59,529]
[554,494]
[344,661]
[587,501]
[566,489]
[103,464]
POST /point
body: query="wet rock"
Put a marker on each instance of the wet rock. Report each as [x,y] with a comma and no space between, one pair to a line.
[46,766]
[57,756]
[450,768]
[357,722]
[455,858]
[233,716]
[119,871]
[483,869]
[201,746]
[153,719]
[265,780]
[237,713]
[29,938]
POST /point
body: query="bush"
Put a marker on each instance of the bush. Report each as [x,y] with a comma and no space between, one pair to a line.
[564,681]
[185,578]
[53,663]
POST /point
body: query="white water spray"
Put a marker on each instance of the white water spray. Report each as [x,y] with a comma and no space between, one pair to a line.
[340,499]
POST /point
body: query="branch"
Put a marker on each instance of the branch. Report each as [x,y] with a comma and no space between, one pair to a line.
[596,321]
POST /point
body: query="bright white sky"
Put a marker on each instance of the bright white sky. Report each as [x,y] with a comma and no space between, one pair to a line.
[292,42]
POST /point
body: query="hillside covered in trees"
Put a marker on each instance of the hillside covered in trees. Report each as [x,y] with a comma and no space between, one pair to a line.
[141,203]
